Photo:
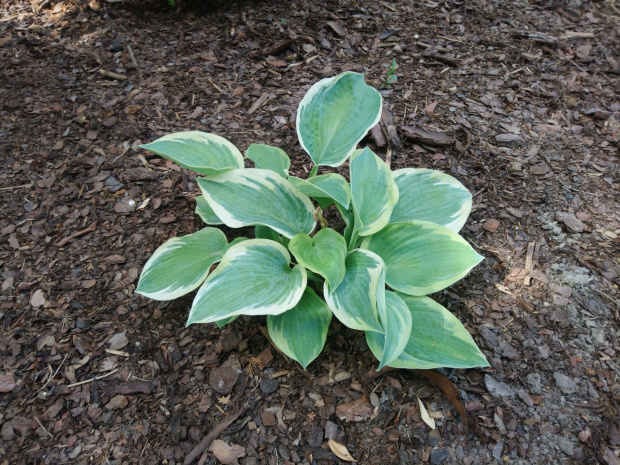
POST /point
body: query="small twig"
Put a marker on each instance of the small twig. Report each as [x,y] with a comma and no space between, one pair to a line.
[64,241]
[44,428]
[10,188]
[110,74]
[213,434]
[55,373]
[135,62]
[96,378]
[219,89]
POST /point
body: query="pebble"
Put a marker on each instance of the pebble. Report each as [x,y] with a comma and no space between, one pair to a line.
[498,449]
[113,184]
[315,439]
[268,385]
[497,388]
[566,445]
[438,456]
[565,383]
[535,383]
[331,430]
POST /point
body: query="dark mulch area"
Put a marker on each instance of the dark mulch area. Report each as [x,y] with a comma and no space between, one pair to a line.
[93,374]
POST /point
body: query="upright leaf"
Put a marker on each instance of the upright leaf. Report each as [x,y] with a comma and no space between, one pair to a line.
[205,212]
[354,301]
[198,151]
[373,192]
[324,254]
[269,158]
[181,264]
[430,195]
[422,257]
[254,278]
[301,332]
[331,185]
[254,196]
[396,322]
[438,339]
[335,115]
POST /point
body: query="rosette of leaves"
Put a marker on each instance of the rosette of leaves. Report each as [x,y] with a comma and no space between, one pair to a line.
[400,243]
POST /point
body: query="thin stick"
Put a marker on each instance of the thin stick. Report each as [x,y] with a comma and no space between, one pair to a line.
[135,62]
[55,373]
[110,74]
[44,428]
[92,379]
[91,228]
[15,187]
[213,434]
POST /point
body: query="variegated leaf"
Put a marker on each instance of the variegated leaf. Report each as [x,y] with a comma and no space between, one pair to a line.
[181,264]
[269,158]
[331,185]
[253,278]
[396,322]
[354,301]
[422,257]
[254,196]
[437,339]
[335,115]
[373,192]
[198,151]
[430,195]
[205,212]
[324,254]
[301,332]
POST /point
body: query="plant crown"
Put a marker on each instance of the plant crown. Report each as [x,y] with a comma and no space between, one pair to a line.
[400,242]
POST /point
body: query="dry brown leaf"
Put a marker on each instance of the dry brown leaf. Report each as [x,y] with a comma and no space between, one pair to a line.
[340,451]
[225,453]
[425,416]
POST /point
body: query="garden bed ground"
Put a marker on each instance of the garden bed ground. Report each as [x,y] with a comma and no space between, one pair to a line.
[531,91]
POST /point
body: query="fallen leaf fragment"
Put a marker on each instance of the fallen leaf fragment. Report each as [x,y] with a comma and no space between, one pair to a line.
[426,418]
[117,402]
[357,410]
[7,382]
[340,451]
[118,341]
[37,299]
[225,453]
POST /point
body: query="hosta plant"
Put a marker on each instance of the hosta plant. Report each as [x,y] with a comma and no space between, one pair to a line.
[400,242]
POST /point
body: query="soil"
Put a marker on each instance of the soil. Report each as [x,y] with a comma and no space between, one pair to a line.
[516,99]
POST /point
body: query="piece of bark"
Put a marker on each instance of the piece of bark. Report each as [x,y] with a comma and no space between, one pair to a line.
[429,137]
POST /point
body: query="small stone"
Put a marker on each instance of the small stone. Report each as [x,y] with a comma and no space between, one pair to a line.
[331,430]
[315,439]
[7,432]
[498,449]
[113,184]
[525,397]
[535,383]
[566,384]
[497,388]
[566,445]
[268,385]
[222,379]
[439,455]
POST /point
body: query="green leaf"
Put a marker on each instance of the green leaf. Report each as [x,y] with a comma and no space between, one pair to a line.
[373,191]
[430,195]
[396,322]
[354,301]
[265,232]
[254,196]
[198,151]
[324,254]
[331,185]
[205,212]
[335,115]
[253,278]
[422,257]
[438,339]
[301,332]
[181,264]
[223,322]
[269,158]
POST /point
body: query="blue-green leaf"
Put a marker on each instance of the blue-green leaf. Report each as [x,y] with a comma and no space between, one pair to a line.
[198,151]
[302,331]
[396,322]
[253,278]
[437,339]
[354,301]
[205,212]
[324,254]
[269,158]
[422,257]
[331,185]
[254,196]
[430,195]
[181,264]
[335,115]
